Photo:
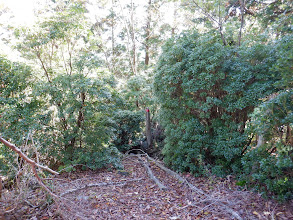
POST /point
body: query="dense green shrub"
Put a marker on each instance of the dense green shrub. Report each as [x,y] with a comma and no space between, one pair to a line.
[127,129]
[269,167]
[17,110]
[269,174]
[206,91]
[82,114]
[70,118]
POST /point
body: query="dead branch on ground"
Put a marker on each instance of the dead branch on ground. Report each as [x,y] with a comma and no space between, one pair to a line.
[191,186]
[151,175]
[66,207]
[99,184]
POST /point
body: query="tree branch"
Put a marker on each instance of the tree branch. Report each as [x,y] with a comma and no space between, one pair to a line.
[99,184]
[26,158]
[151,175]
[218,23]
[33,165]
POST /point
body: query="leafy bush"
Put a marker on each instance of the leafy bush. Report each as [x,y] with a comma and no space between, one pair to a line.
[268,168]
[69,118]
[127,129]
[270,174]
[17,111]
[206,91]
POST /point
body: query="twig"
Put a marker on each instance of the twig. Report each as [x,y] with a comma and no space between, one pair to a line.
[205,12]
[152,176]
[193,188]
[99,184]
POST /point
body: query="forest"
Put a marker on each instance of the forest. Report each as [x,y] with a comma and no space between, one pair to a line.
[177,105]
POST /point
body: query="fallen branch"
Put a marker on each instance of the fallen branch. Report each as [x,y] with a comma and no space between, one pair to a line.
[26,158]
[177,176]
[99,184]
[152,176]
[193,188]
[33,165]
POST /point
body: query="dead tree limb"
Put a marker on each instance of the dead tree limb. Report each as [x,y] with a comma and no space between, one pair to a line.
[99,184]
[177,176]
[152,176]
[26,158]
[193,188]
[32,163]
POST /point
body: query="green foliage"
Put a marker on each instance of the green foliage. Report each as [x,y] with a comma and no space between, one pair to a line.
[127,129]
[82,111]
[277,15]
[17,111]
[274,117]
[270,174]
[138,92]
[60,43]
[206,92]
[283,63]
[70,118]
[268,168]
[69,110]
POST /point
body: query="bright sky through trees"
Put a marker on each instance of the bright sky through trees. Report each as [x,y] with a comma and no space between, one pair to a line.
[21,9]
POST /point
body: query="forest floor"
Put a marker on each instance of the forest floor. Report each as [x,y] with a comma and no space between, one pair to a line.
[132,194]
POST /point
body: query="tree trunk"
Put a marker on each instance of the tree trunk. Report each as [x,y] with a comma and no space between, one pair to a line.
[148,128]
[242,4]
[147,33]
[132,35]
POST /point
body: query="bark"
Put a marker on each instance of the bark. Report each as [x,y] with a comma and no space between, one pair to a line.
[43,67]
[23,156]
[132,36]
[148,129]
[289,136]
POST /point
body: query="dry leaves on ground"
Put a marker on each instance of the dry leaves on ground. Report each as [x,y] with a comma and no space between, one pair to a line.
[132,194]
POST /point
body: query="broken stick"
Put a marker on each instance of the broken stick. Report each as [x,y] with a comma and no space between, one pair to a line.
[99,184]
[152,176]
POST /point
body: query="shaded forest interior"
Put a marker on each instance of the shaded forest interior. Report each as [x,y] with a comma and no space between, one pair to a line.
[151,109]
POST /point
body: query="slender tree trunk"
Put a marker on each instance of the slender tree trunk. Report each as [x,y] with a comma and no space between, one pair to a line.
[147,33]
[289,136]
[174,19]
[112,30]
[242,4]
[44,68]
[148,128]
[132,35]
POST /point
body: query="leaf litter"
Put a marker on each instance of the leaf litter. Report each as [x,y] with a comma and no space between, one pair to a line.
[133,194]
